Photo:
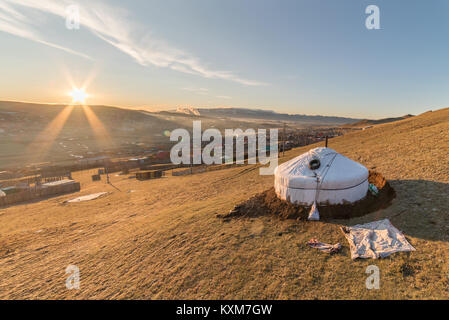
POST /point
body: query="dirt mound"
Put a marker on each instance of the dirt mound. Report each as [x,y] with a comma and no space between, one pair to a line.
[267,203]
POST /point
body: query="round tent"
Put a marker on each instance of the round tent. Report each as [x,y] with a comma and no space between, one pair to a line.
[321,175]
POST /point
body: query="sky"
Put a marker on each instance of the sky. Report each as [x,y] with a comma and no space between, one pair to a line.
[292,56]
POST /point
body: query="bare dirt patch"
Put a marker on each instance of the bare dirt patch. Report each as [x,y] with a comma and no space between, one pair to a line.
[267,203]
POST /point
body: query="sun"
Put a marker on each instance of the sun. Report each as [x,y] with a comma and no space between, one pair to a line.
[79,96]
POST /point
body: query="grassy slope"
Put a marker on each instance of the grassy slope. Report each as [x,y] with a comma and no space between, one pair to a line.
[163,240]
[366,122]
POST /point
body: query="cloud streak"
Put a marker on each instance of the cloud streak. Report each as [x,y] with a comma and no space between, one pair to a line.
[201,91]
[114,26]
[15,23]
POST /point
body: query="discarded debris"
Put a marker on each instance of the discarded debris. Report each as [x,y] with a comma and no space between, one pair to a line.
[373,189]
[329,248]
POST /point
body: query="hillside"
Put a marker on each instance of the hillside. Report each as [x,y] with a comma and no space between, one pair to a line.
[366,123]
[267,115]
[33,133]
[38,132]
[160,239]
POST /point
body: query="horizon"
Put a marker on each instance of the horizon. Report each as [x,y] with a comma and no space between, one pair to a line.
[144,108]
[314,59]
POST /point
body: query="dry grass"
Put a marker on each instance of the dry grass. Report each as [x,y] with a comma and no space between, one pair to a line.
[163,240]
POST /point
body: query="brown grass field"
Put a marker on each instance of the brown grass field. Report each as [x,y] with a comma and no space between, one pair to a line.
[163,240]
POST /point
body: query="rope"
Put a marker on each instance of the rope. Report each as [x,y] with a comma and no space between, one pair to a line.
[319,183]
[330,189]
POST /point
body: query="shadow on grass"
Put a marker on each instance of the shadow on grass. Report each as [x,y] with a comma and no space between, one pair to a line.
[420,210]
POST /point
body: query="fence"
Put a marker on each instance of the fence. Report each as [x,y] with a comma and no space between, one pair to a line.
[146,175]
[200,169]
[39,192]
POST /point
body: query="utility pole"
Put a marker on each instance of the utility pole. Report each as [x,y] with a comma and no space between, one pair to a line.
[283,141]
[106,171]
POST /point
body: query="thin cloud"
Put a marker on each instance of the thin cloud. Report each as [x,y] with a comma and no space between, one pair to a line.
[15,23]
[113,26]
[201,91]
[204,91]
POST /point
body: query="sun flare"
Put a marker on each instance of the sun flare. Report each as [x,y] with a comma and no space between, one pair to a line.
[79,96]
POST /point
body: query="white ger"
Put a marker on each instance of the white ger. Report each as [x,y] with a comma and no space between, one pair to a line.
[321,176]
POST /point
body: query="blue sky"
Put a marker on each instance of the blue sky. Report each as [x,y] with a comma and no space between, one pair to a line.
[308,57]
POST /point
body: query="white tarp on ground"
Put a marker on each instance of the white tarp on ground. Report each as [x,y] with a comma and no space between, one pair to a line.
[338,179]
[92,196]
[57,183]
[376,239]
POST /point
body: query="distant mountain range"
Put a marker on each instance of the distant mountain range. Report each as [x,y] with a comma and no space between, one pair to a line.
[114,114]
[28,130]
[257,114]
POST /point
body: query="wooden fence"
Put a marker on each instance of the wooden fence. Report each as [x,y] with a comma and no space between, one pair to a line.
[146,175]
[39,192]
